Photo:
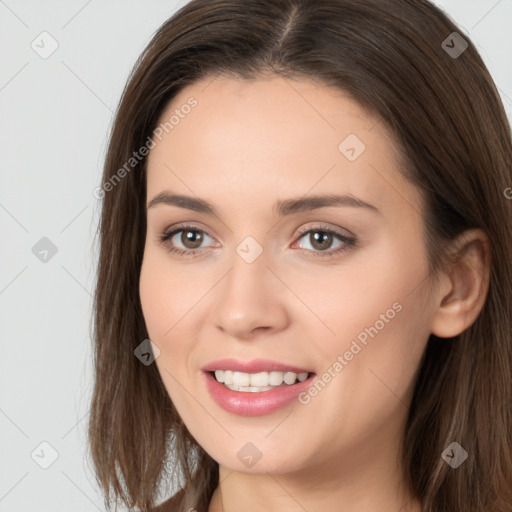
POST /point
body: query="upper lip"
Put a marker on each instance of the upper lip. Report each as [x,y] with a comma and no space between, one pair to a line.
[253,366]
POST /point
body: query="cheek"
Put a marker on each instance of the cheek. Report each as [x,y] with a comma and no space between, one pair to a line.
[164,308]
[153,299]
[374,287]
[171,303]
[167,293]
[378,319]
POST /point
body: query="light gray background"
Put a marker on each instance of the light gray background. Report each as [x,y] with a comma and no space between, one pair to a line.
[55,114]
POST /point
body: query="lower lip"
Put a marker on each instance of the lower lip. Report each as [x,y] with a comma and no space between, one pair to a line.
[246,403]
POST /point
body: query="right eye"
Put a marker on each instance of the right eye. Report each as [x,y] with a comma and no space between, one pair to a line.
[189,236]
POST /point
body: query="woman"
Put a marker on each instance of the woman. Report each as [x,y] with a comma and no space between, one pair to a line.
[304,284]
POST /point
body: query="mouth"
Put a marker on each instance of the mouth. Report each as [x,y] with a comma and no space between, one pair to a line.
[258,382]
[257,387]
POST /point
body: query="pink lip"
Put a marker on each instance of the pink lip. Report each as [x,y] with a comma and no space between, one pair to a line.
[253,404]
[254,366]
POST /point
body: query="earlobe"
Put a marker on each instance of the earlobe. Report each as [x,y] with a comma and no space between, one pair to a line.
[464,287]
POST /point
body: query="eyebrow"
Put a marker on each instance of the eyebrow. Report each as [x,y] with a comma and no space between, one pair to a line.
[281,208]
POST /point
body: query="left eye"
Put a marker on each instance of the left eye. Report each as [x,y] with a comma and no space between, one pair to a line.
[321,240]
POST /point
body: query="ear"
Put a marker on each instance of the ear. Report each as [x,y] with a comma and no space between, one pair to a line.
[464,285]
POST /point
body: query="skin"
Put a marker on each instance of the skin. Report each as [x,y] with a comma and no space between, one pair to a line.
[246,145]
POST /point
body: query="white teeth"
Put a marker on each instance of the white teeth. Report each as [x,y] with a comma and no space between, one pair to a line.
[228,377]
[241,379]
[276,378]
[290,378]
[249,389]
[254,382]
[259,379]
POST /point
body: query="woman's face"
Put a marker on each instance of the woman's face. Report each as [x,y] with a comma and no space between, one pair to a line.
[281,278]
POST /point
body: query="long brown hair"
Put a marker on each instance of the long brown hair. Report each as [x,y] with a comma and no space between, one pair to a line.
[444,110]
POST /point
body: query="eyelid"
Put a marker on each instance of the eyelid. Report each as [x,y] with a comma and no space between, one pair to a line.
[349,241]
[324,227]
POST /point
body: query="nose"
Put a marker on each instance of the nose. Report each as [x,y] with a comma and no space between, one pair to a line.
[250,300]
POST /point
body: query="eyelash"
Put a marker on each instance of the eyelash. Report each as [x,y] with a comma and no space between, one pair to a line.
[349,243]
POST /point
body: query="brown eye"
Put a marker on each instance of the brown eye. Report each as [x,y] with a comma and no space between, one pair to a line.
[191,239]
[320,240]
[184,240]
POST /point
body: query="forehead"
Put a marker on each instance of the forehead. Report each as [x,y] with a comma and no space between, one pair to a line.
[274,138]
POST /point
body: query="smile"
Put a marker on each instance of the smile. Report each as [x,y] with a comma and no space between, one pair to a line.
[255,388]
